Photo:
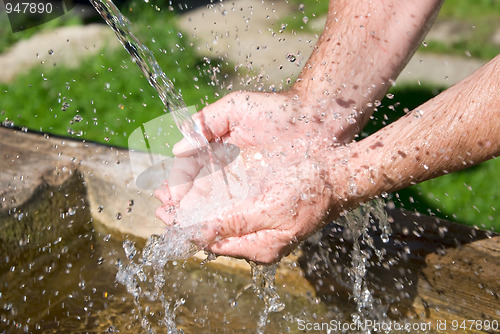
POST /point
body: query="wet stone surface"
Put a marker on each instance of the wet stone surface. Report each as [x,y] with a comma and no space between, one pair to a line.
[60,200]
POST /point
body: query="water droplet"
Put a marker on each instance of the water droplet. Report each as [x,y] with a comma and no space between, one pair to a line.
[51,52]
[390,96]
[291,58]
[442,231]
[301,7]
[424,44]
[8,123]
[77,118]
[385,237]
[129,248]
[305,19]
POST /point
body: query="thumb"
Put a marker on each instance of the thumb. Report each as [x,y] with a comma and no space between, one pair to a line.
[213,121]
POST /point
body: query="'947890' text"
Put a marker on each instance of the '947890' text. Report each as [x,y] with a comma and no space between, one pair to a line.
[28,7]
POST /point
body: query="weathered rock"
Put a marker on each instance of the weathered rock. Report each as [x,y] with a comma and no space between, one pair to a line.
[29,160]
[49,216]
[433,269]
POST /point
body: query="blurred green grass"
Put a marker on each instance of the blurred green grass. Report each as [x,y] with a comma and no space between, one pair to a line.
[107,97]
[476,23]
[479,20]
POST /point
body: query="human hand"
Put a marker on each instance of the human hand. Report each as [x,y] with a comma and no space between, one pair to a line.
[281,165]
[287,196]
[252,119]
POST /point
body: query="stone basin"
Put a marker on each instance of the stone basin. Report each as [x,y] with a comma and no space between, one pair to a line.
[57,194]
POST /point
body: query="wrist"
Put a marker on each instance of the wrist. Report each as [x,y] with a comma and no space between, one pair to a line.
[358,57]
[354,175]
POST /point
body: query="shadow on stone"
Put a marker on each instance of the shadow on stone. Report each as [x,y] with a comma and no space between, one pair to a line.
[432,269]
[54,215]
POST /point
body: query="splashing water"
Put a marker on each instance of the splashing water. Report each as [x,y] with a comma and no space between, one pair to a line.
[172,100]
[149,66]
[263,284]
[175,244]
[174,103]
[130,275]
[358,222]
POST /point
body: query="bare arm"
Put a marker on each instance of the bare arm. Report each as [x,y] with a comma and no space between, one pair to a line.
[455,130]
[363,48]
[299,174]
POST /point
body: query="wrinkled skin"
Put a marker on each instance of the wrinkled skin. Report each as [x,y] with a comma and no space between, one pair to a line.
[291,143]
[286,204]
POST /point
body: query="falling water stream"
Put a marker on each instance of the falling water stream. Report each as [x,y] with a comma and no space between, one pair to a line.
[174,243]
[172,100]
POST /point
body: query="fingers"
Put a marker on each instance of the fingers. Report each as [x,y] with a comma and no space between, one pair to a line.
[198,194]
[214,121]
[266,246]
[163,193]
[244,218]
[182,148]
[215,118]
[184,172]
[167,214]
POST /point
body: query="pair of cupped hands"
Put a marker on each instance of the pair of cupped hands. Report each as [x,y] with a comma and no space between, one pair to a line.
[293,157]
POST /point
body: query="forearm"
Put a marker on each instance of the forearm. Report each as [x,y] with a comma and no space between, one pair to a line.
[455,130]
[364,46]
